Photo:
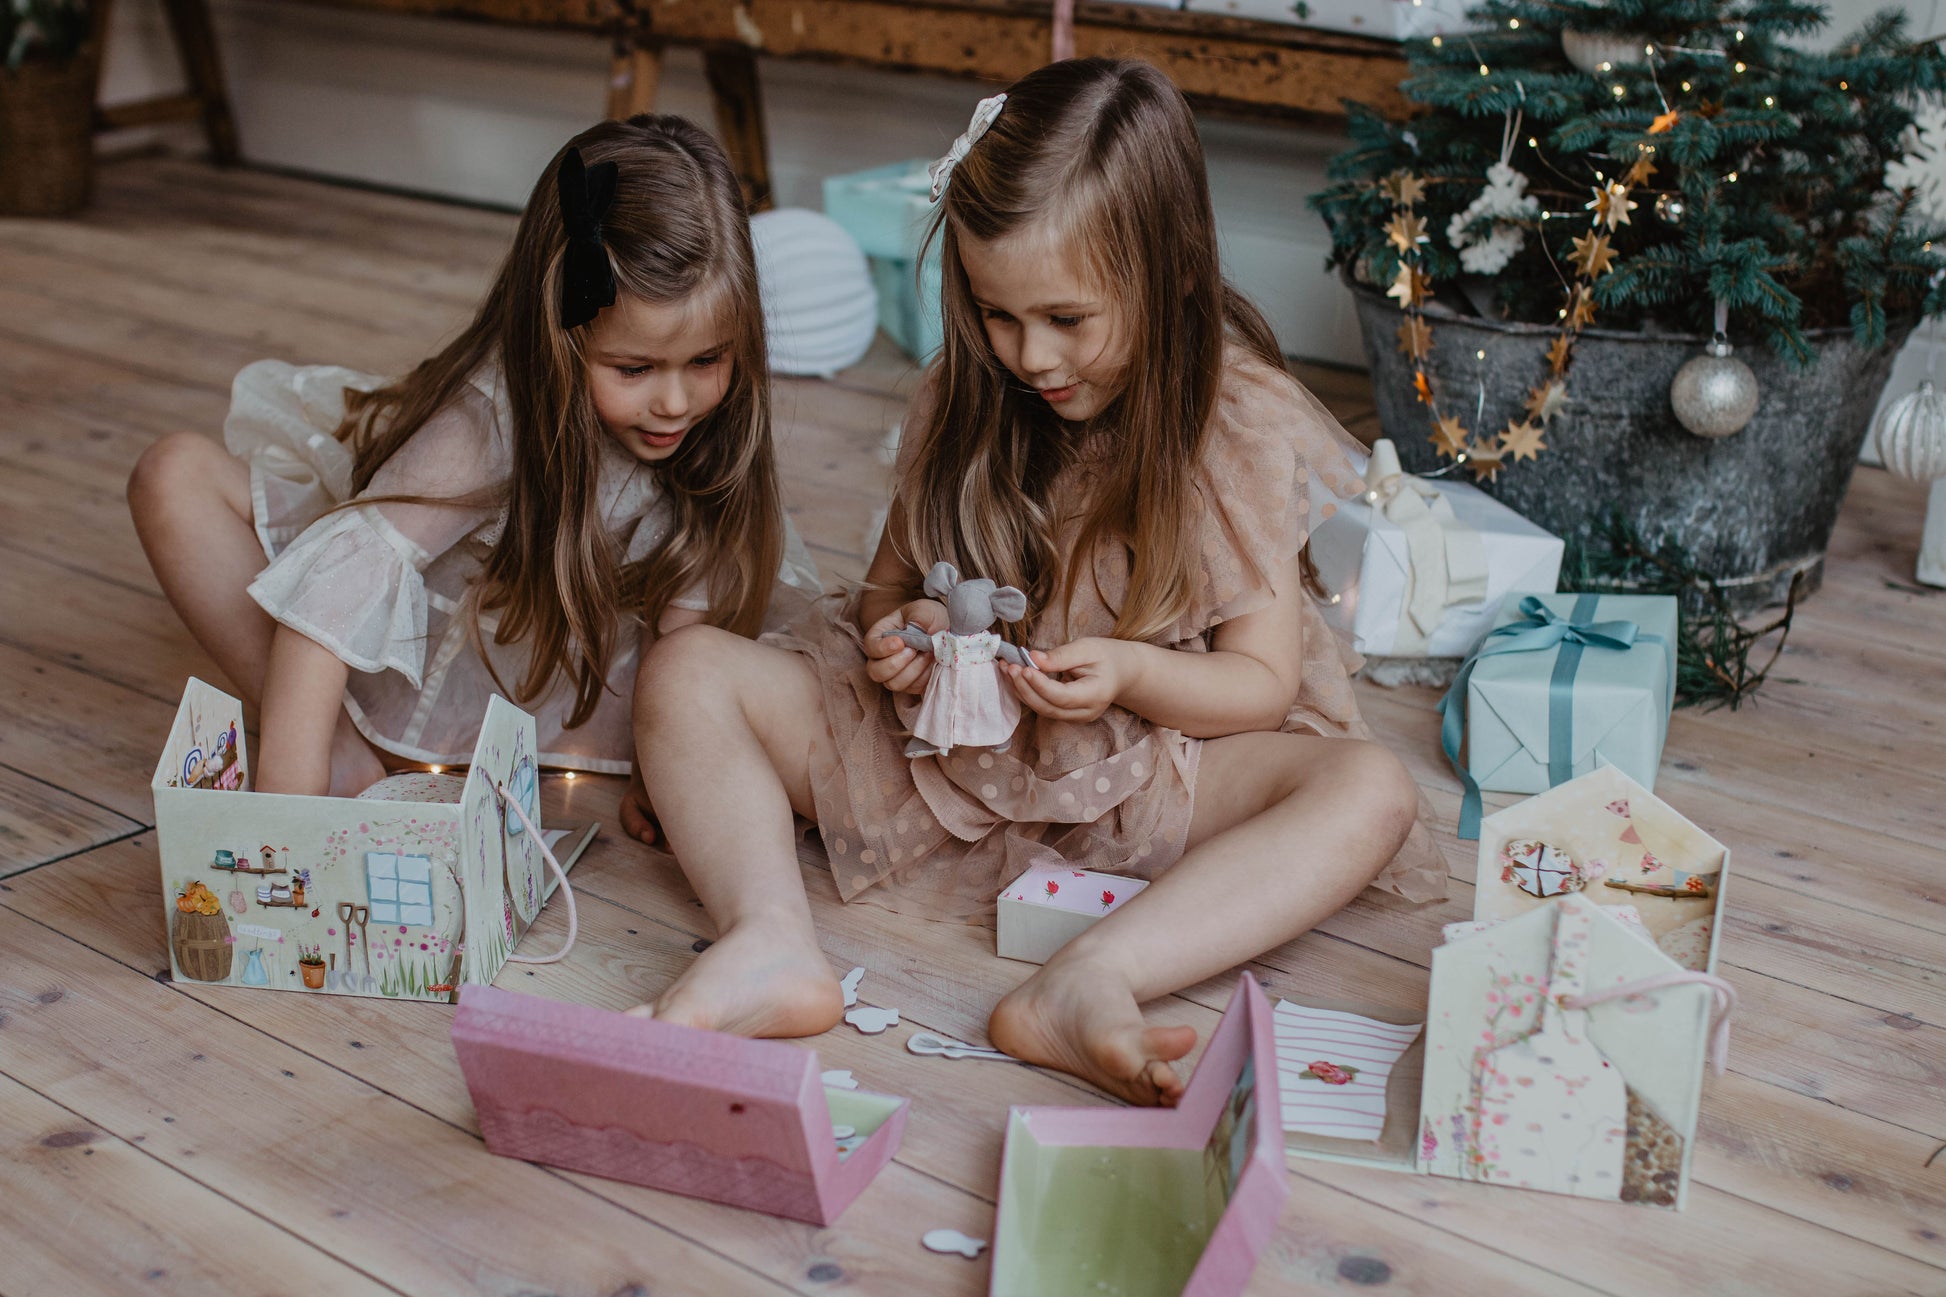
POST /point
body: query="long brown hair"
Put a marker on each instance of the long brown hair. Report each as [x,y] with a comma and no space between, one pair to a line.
[676,232]
[1105,153]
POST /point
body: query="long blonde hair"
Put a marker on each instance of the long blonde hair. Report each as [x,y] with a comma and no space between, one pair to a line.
[676,232]
[1106,153]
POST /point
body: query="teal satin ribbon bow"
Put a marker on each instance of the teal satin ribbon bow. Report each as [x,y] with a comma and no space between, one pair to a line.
[1541,629]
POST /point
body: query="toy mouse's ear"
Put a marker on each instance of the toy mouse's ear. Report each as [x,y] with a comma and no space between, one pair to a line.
[1009,604]
[941,580]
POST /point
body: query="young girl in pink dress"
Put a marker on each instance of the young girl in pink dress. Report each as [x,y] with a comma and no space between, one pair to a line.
[1109,429]
[587,465]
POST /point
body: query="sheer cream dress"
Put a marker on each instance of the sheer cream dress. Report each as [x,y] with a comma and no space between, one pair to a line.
[385,586]
[940,836]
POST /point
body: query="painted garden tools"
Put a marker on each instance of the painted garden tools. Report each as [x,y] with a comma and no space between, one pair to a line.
[369,986]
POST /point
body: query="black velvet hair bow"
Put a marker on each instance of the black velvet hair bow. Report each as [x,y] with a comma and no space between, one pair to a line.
[587,280]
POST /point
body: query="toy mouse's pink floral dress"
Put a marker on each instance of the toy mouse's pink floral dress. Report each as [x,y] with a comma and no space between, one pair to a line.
[939,836]
[385,587]
[967,703]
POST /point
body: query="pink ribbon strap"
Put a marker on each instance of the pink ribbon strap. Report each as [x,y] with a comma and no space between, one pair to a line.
[1725,1003]
[574,925]
[1063,30]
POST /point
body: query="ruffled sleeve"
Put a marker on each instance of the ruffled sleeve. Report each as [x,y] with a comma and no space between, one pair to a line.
[354,580]
[1275,464]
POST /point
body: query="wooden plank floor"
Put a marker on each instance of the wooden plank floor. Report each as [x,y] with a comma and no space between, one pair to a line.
[208,1140]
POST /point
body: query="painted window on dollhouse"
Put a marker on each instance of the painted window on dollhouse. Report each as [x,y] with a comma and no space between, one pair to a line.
[400,888]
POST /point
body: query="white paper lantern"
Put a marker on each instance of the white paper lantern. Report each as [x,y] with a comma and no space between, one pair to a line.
[820,309]
[1911,434]
[1595,52]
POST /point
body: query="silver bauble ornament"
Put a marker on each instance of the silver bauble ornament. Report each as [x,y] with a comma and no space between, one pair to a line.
[1911,434]
[1589,51]
[1714,394]
[1669,209]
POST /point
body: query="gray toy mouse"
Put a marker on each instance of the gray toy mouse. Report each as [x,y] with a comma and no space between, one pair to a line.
[967,702]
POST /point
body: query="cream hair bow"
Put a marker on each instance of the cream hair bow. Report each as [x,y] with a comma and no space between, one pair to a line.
[984,115]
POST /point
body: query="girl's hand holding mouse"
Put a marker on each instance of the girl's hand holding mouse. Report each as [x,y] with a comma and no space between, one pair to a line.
[892,662]
[1098,671]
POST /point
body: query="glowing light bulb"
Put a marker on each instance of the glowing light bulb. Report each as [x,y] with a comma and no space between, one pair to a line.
[1739,35]
[1604,67]
[570,774]
[1844,85]
[1769,102]
[1438,41]
[1533,143]
[1513,24]
[1740,67]
[1732,177]
[1482,355]
[1685,87]
[1620,91]
[1483,69]
[437,769]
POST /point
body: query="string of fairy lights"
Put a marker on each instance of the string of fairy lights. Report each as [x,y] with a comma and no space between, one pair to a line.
[1593,255]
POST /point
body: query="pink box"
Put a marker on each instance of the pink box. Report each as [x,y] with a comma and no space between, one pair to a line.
[744,1122]
[1150,1202]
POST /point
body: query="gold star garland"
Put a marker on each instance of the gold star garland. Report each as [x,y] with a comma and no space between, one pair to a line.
[1592,258]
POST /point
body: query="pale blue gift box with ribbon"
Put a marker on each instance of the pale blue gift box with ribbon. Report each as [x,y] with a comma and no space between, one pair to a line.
[1563,684]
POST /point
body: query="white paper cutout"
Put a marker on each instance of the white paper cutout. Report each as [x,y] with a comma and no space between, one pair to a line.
[931,1043]
[949,1242]
[849,984]
[840,1078]
[1333,1069]
[872,1020]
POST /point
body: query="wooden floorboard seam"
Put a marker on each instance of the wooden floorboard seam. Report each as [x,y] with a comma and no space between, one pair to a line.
[8,873]
[206,1185]
[78,795]
[162,978]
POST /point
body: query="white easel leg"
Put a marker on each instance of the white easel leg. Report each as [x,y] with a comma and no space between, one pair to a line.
[1932,546]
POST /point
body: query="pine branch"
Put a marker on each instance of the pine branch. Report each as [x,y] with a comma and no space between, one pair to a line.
[1713,648]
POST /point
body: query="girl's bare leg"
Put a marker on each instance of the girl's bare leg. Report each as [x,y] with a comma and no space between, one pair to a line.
[727,731]
[1286,829]
[190,499]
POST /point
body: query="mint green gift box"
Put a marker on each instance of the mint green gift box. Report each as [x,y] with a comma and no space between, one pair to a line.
[886,209]
[1564,683]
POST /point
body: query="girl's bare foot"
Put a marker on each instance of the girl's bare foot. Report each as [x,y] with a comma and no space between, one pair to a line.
[759,979]
[1082,1019]
[355,763]
[637,820]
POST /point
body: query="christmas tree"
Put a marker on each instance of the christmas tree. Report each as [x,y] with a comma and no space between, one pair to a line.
[1643,163]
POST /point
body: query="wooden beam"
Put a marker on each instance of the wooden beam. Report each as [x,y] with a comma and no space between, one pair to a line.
[633,79]
[1228,63]
[738,98]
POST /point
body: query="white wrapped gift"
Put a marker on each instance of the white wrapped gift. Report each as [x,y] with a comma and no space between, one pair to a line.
[1420,568]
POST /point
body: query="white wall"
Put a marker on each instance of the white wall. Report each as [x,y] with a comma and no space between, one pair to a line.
[474,112]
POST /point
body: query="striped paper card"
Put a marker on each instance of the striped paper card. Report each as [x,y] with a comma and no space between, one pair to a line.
[1333,1068]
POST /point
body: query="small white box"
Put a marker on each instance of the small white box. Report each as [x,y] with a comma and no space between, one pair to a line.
[1393,19]
[1051,905]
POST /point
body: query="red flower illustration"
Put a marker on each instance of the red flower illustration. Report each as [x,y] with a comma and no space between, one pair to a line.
[1107,899]
[1052,887]
[1695,884]
[1330,1073]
